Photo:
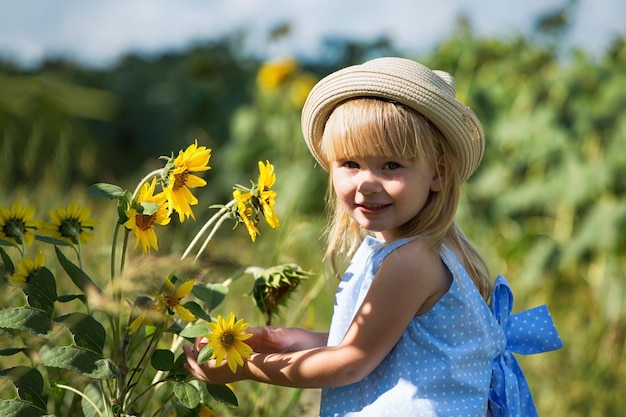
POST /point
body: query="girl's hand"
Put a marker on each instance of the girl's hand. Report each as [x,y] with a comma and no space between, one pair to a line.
[271,339]
[209,371]
[264,340]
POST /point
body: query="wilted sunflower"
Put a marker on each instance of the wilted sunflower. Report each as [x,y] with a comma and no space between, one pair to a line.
[16,224]
[27,268]
[227,341]
[141,220]
[71,225]
[180,179]
[274,285]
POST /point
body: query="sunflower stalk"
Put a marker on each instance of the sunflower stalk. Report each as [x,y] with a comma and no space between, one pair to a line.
[126,379]
[157,173]
[217,216]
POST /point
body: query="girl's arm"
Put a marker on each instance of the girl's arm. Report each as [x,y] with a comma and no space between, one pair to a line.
[271,339]
[410,277]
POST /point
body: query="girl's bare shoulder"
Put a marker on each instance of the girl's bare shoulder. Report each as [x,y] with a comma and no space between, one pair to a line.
[417,268]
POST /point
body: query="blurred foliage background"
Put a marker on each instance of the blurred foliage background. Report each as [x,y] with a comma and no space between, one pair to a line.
[547,206]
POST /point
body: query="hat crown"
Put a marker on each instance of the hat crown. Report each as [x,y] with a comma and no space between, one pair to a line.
[450,84]
[430,93]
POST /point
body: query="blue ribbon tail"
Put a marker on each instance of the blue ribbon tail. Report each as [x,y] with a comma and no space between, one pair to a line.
[528,332]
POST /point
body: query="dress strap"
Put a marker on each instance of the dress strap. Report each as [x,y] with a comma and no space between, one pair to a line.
[528,332]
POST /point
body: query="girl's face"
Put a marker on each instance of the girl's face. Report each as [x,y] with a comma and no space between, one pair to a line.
[381,193]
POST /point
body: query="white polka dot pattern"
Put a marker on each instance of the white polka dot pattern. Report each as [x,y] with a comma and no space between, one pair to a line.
[441,366]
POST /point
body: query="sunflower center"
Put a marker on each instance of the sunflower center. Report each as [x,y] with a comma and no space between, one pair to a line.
[172,301]
[228,340]
[180,180]
[144,221]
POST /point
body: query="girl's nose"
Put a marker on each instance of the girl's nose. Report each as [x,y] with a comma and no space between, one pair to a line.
[368,182]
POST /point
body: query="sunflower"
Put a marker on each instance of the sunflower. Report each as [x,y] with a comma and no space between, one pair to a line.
[170,302]
[16,224]
[71,225]
[300,89]
[149,313]
[267,178]
[227,341]
[27,268]
[245,212]
[180,179]
[142,222]
[274,74]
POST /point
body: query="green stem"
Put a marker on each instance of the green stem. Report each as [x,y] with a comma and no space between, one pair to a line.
[79,253]
[208,224]
[144,392]
[124,249]
[114,251]
[86,398]
[167,399]
[148,352]
[210,236]
[156,172]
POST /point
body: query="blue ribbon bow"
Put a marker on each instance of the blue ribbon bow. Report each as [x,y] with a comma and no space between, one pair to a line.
[528,332]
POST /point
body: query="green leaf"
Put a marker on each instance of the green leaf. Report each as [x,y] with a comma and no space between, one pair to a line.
[7,266]
[178,371]
[29,384]
[4,242]
[222,394]
[95,394]
[194,331]
[212,294]
[18,408]
[41,291]
[26,318]
[88,332]
[105,190]
[162,359]
[204,355]
[66,298]
[52,240]
[147,208]
[187,394]
[197,310]
[11,351]
[83,361]
[77,275]
[123,205]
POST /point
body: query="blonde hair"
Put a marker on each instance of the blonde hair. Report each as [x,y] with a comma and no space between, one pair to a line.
[366,127]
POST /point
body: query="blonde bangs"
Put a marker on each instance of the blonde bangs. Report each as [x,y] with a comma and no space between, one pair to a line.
[368,127]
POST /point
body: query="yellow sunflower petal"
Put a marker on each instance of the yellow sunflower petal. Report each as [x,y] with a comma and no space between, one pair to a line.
[184,313]
[184,289]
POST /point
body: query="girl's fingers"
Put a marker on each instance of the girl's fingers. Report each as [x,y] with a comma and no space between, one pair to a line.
[192,365]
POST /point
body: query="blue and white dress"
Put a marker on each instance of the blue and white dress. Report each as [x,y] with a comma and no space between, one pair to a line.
[445,360]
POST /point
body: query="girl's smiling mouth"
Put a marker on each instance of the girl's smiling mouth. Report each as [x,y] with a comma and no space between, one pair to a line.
[372,207]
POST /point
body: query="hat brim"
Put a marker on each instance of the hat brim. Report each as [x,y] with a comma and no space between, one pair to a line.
[407,82]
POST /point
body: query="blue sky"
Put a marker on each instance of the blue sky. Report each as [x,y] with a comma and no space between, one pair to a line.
[97,32]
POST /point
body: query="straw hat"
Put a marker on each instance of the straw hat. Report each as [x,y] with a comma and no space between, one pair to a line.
[431,93]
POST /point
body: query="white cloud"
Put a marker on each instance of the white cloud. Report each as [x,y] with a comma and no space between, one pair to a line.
[98,31]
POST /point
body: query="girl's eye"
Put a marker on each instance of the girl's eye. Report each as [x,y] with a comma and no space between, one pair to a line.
[392,165]
[351,164]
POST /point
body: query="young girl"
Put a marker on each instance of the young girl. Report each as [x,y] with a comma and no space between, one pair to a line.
[411,333]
